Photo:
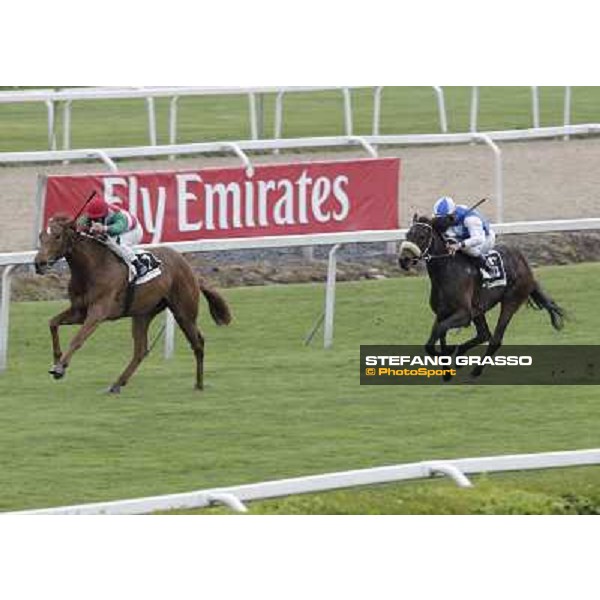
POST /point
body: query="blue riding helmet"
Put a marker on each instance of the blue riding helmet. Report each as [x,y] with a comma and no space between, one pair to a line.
[444,207]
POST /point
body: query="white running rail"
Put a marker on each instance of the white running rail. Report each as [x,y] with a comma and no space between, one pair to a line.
[298,241]
[535,107]
[369,143]
[237,497]
[54,99]
[241,149]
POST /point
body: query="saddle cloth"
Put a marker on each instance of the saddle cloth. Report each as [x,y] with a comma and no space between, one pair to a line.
[144,256]
[496,269]
[151,262]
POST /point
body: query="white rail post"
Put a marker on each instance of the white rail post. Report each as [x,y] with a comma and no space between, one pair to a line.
[229,500]
[439,91]
[567,112]
[169,335]
[278,133]
[377,94]
[260,115]
[279,115]
[330,297]
[499,183]
[151,121]
[67,125]
[107,160]
[253,116]
[452,471]
[5,316]
[474,109]
[242,155]
[173,123]
[51,108]
[361,141]
[535,101]
[348,116]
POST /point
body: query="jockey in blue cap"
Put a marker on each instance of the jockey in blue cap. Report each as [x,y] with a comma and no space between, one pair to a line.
[468,231]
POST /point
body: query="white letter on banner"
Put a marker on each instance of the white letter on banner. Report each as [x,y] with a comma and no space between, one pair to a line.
[249,200]
[183,197]
[109,193]
[303,183]
[342,197]
[154,225]
[225,193]
[264,187]
[283,211]
[320,195]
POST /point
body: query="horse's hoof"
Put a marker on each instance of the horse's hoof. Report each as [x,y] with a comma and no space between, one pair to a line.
[57,371]
[115,390]
[476,374]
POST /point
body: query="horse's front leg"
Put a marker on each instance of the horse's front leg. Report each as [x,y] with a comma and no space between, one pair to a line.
[71,316]
[440,329]
[93,319]
[433,339]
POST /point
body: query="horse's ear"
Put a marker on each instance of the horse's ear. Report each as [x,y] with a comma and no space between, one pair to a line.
[415,218]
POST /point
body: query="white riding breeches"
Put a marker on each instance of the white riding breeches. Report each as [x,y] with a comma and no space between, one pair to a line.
[482,249]
[123,244]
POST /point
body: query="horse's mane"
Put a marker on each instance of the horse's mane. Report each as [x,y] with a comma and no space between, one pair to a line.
[68,223]
[62,219]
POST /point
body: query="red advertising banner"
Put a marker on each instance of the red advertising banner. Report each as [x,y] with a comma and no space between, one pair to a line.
[276,200]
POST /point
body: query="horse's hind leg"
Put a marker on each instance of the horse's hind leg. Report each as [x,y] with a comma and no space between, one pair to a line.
[507,312]
[186,319]
[483,335]
[139,331]
[440,329]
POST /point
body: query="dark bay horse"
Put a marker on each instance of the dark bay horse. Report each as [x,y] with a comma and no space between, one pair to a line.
[99,291]
[457,296]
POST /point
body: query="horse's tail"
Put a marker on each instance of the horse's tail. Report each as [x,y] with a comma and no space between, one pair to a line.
[218,307]
[542,301]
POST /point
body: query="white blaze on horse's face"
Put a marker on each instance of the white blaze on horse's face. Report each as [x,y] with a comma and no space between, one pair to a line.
[51,245]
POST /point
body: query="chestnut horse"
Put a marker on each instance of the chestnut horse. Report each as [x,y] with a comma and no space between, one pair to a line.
[99,291]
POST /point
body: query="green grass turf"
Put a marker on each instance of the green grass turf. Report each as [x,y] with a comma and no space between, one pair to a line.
[273,408]
[405,110]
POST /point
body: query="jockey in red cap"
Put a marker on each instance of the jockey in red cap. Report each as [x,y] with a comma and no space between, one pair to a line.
[121,228]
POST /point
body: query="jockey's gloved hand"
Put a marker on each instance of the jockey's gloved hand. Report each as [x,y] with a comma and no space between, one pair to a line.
[453,247]
[99,228]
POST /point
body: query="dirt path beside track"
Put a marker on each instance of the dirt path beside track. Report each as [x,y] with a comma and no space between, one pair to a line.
[543,180]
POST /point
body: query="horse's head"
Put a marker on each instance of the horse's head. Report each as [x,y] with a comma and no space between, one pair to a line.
[55,242]
[422,237]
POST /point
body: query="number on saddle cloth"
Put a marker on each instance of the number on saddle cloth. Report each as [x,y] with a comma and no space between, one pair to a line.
[152,264]
[149,260]
[496,270]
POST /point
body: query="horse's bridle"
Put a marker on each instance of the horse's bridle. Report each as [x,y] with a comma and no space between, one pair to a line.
[425,254]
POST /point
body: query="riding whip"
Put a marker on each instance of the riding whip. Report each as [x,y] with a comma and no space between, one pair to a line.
[476,206]
[92,196]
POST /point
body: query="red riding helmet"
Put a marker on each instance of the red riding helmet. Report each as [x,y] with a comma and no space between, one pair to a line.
[97,208]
